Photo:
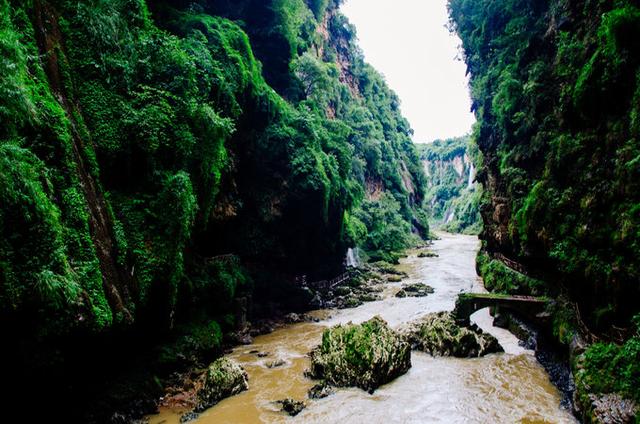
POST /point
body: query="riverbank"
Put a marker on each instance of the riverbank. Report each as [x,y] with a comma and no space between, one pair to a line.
[506,387]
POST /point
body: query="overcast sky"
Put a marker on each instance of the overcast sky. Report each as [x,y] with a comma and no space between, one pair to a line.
[406,40]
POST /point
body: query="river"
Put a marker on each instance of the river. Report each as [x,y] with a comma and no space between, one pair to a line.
[510,387]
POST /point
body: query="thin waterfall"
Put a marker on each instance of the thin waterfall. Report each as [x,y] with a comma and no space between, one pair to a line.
[472,171]
[353,259]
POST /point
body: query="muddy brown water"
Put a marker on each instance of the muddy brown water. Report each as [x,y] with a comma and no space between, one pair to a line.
[510,387]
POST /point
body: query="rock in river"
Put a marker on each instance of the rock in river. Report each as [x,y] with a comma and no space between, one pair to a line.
[438,334]
[223,378]
[417,290]
[366,355]
[292,407]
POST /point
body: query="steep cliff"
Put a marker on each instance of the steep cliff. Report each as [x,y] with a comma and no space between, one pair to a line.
[453,195]
[163,162]
[556,91]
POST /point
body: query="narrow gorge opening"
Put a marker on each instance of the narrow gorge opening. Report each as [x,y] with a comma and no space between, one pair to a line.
[239,211]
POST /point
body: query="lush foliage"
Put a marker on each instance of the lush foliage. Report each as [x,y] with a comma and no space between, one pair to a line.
[609,368]
[162,161]
[555,88]
[453,197]
[142,158]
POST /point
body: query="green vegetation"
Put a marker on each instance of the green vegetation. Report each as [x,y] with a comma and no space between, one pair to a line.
[556,89]
[438,334]
[168,120]
[500,278]
[610,368]
[452,196]
[366,355]
[163,162]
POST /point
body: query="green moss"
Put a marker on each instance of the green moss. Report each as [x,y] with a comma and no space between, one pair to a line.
[555,107]
[365,355]
[500,278]
[610,368]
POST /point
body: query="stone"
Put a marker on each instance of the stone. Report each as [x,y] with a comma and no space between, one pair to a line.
[320,390]
[223,378]
[349,302]
[418,290]
[365,355]
[275,364]
[439,335]
[369,297]
[292,407]
[612,408]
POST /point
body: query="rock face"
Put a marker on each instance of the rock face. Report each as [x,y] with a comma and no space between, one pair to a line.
[366,355]
[439,335]
[612,408]
[223,378]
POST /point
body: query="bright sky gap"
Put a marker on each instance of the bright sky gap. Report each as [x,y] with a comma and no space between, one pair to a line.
[408,42]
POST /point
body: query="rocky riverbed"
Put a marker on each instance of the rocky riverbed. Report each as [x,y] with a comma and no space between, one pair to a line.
[499,387]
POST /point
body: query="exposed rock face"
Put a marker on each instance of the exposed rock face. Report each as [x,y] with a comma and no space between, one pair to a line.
[366,355]
[612,409]
[439,335]
[222,379]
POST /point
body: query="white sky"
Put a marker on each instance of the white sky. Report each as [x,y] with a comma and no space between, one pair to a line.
[406,40]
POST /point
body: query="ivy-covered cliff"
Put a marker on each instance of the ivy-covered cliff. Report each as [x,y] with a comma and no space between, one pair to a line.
[453,195]
[161,161]
[556,91]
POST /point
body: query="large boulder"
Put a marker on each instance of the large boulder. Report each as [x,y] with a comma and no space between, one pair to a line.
[438,334]
[366,355]
[223,378]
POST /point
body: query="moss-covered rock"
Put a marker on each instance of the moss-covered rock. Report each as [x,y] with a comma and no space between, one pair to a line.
[418,290]
[366,355]
[223,378]
[439,335]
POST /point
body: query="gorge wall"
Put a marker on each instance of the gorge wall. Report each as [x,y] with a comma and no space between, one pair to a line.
[162,162]
[453,195]
[556,90]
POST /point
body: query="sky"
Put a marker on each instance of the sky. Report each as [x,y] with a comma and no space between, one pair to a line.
[408,42]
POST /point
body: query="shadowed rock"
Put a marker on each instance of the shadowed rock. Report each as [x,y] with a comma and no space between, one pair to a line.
[292,407]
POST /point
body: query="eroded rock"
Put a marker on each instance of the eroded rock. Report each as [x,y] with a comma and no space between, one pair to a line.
[292,407]
[223,378]
[438,334]
[418,290]
[320,390]
[366,355]
[612,408]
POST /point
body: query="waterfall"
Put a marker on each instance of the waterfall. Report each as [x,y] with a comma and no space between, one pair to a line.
[472,171]
[449,216]
[353,259]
